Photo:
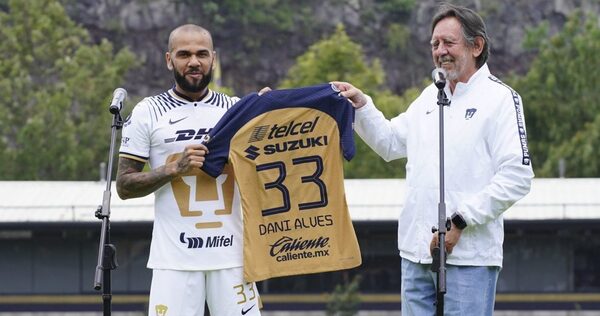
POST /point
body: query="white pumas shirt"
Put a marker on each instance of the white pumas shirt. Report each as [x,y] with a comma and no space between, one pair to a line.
[487,164]
[197,223]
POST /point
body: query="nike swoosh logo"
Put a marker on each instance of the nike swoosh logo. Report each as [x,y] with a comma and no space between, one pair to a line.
[429,112]
[177,121]
[244,312]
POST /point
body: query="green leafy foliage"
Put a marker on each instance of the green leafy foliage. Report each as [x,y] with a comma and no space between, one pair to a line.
[397,37]
[335,58]
[560,95]
[580,152]
[338,58]
[534,37]
[396,6]
[345,299]
[367,164]
[54,90]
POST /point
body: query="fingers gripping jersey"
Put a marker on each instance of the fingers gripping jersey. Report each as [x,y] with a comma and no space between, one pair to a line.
[197,218]
[286,148]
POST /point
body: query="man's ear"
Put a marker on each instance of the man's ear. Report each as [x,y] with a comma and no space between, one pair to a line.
[214,60]
[168,60]
[478,46]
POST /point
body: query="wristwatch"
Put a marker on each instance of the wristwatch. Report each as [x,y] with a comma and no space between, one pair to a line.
[458,221]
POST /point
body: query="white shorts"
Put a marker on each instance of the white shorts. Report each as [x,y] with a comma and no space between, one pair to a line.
[175,293]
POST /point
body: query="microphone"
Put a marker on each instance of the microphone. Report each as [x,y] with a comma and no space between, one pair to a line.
[439,77]
[116,104]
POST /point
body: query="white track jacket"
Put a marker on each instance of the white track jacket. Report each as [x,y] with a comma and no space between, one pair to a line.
[487,164]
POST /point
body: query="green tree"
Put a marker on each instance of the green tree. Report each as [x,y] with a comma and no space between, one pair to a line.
[560,94]
[54,89]
[367,163]
[338,58]
[580,153]
[345,299]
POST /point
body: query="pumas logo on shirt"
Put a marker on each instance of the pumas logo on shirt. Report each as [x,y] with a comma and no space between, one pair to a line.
[125,141]
[161,310]
[469,113]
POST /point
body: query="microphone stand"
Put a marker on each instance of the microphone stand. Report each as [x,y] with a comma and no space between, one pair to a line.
[107,260]
[439,253]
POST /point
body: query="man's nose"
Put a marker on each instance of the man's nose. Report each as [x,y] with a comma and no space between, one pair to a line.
[441,50]
[194,61]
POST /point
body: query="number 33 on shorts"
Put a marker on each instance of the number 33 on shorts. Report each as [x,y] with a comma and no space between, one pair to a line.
[247,297]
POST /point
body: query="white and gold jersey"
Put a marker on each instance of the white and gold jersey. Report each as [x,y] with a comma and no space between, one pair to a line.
[197,218]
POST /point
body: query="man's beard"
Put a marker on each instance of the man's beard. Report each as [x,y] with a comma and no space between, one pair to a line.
[458,66]
[187,86]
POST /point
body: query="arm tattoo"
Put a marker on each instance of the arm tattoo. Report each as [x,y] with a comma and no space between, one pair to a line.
[133,182]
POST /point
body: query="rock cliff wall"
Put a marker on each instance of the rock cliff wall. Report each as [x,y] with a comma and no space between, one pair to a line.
[257,45]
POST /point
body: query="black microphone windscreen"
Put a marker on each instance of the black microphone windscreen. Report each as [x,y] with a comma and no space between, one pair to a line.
[439,77]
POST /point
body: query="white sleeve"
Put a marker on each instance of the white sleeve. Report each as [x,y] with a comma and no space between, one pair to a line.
[135,137]
[507,141]
[386,137]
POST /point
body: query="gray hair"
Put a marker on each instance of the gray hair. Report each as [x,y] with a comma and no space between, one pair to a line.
[472,26]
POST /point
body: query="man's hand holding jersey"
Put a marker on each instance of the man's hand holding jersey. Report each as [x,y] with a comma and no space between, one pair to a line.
[191,157]
[353,94]
[358,100]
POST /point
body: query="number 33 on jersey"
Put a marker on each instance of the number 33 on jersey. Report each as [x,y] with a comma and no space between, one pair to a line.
[287,148]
